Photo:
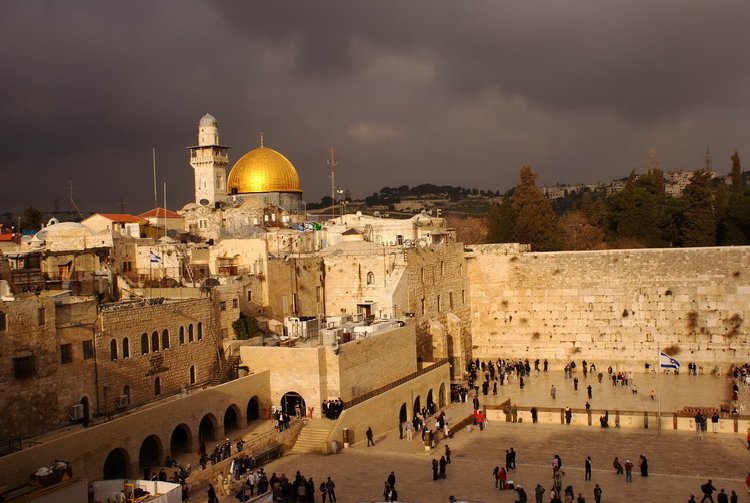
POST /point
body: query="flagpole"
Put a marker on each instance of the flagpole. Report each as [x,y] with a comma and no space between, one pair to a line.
[658,393]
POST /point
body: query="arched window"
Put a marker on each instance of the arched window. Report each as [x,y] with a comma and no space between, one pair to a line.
[154,341]
[182,336]
[192,374]
[165,339]
[190,333]
[144,344]
[125,348]
[113,350]
[200,331]
[126,393]
[442,268]
[370,278]
[157,386]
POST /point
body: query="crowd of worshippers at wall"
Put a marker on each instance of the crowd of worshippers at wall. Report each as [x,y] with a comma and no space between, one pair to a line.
[332,408]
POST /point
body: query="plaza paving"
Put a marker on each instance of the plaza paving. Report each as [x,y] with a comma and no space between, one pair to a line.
[679,462]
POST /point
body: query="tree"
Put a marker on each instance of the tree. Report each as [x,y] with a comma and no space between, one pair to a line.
[245,327]
[738,183]
[699,218]
[535,221]
[500,222]
[31,219]
[579,233]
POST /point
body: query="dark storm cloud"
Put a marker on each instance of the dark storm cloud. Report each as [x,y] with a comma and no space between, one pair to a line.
[407,92]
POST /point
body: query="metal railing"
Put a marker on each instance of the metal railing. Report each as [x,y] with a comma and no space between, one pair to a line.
[399,382]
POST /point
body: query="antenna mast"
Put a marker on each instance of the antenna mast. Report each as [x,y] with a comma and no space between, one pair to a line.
[72,202]
[332,162]
[156,200]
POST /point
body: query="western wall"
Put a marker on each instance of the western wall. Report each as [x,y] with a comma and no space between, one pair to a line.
[617,306]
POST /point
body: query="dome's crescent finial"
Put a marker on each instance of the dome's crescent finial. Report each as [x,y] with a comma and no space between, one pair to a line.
[261,138]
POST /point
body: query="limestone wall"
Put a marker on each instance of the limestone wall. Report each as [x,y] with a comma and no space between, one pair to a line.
[87,448]
[439,285]
[614,305]
[295,280]
[317,373]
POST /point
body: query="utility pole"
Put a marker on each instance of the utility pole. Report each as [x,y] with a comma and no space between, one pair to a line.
[332,162]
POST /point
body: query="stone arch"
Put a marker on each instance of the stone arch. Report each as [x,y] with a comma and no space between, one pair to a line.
[86,409]
[165,339]
[200,331]
[370,277]
[208,429]
[154,341]
[150,455]
[232,419]
[290,400]
[430,402]
[190,333]
[441,396]
[116,465]
[144,344]
[192,374]
[181,441]
[417,405]
[125,348]
[403,415]
[182,336]
[113,349]
[253,409]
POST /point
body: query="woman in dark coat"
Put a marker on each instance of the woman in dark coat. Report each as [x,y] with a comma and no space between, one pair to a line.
[644,466]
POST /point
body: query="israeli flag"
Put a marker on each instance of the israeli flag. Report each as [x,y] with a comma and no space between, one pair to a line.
[667,362]
[155,259]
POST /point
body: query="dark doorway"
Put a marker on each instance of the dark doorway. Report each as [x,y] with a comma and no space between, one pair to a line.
[86,411]
[402,415]
[417,406]
[180,441]
[149,457]
[231,419]
[253,409]
[441,396]
[290,400]
[430,401]
[116,465]
[206,431]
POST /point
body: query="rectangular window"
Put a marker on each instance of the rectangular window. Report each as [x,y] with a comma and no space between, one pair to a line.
[3,322]
[88,349]
[66,353]
[450,300]
[223,305]
[422,306]
[438,303]
[249,296]
[23,367]
[463,297]
[235,303]
[41,317]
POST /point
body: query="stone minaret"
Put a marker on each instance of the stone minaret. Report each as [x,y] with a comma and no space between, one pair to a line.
[209,160]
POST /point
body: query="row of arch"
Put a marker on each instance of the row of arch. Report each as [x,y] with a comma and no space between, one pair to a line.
[403,413]
[155,343]
[152,451]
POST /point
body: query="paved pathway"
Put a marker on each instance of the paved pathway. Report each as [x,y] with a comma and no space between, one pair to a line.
[679,462]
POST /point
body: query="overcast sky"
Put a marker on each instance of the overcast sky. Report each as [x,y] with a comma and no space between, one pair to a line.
[407,92]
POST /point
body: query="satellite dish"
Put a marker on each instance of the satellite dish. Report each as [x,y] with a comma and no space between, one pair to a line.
[204,202]
[376,213]
[53,221]
[359,214]
[336,348]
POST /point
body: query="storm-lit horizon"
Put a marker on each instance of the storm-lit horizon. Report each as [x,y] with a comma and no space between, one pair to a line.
[406,92]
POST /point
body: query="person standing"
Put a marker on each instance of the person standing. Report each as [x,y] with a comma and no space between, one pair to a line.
[588,390]
[597,494]
[644,466]
[447,454]
[568,415]
[331,490]
[539,493]
[442,464]
[212,494]
[534,415]
[588,467]
[715,422]
[722,497]
[370,437]
[699,425]
[575,383]
[512,459]
[435,468]
[392,479]
[628,471]
[553,392]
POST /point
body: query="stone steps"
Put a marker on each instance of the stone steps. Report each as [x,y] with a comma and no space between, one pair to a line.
[313,436]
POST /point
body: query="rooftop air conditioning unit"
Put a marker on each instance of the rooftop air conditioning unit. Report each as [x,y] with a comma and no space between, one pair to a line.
[76,412]
[122,401]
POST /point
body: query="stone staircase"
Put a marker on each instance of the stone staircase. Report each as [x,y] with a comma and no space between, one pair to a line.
[226,372]
[313,436]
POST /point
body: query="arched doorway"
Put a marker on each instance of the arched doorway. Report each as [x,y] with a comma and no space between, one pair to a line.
[441,396]
[150,456]
[231,419]
[430,403]
[402,414]
[116,465]
[207,429]
[181,440]
[253,409]
[417,406]
[289,402]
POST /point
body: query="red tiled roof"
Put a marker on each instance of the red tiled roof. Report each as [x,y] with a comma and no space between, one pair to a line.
[124,218]
[160,213]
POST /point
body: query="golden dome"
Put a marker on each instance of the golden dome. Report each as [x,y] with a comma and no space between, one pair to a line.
[263,170]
